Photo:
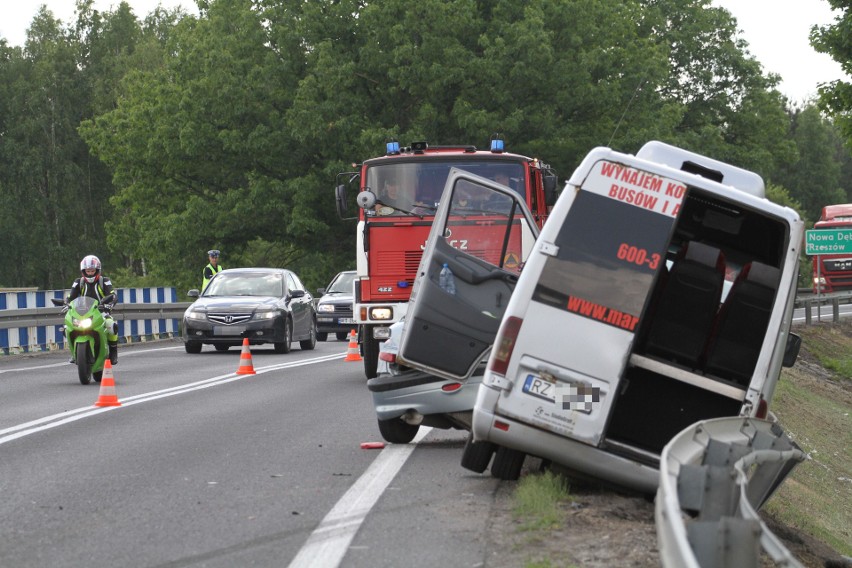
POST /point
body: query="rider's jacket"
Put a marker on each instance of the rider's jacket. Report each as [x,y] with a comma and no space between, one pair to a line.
[97,290]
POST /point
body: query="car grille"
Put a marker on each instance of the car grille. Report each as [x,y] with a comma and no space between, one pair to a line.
[228,319]
[343,309]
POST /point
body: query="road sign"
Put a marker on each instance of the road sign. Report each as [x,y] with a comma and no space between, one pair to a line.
[828,241]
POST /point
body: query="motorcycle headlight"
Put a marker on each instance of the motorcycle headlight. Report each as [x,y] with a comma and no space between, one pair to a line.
[83,323]
[266,315]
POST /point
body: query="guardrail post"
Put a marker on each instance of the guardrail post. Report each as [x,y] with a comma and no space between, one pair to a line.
[808,305]
[835,308]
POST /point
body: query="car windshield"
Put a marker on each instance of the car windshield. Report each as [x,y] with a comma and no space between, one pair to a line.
[342,284]
[260,284]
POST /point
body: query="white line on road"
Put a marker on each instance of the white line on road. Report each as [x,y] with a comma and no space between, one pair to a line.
[327,545]
[48,422]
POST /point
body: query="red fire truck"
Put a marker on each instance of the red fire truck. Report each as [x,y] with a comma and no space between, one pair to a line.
[397,196]
[833,272]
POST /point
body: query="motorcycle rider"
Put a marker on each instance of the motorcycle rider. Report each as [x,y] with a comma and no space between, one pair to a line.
[96,285]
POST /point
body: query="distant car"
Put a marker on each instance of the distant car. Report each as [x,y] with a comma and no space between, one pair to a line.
[266,305]
[334,308]
[405,398]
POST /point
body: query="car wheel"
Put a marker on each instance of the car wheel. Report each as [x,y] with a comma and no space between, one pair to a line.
[192,346]
[341,335]
[476,455]
[507,464]
[222,347]
[322,336]
[396,431]
[371,356]
[311,341]
[284,346]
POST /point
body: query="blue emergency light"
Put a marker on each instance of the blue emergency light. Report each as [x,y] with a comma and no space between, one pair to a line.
[496,143]
[402,284]
[393,147]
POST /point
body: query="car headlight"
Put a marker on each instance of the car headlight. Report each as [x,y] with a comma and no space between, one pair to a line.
[266,315]
[195,315]
[325,308]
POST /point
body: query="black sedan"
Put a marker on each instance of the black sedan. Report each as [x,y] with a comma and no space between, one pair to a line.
[334,308]
[266,305]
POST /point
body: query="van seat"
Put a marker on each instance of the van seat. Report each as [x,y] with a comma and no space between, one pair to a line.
[687,302]
[740,327]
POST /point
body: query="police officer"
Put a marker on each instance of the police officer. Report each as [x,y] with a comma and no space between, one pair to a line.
[96,285]
[211,269]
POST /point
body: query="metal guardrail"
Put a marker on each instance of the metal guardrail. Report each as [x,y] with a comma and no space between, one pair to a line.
[815,302]
[714,475]
[29,317]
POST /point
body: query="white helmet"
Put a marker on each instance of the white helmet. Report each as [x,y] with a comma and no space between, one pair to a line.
[89,263]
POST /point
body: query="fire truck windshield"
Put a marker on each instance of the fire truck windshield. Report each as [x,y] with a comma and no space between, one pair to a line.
[403,187]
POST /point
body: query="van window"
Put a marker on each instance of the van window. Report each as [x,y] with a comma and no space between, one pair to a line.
[604,270]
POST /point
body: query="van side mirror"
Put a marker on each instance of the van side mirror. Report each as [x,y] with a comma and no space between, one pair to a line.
[791,351]
[550,184]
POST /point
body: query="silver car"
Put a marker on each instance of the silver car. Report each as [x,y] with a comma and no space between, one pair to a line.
[405,398]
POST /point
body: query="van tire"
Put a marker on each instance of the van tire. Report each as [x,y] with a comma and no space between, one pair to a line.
[477,455]
[396,431]
[507,464]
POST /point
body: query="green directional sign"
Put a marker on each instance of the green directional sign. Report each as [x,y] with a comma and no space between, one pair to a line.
[828,241]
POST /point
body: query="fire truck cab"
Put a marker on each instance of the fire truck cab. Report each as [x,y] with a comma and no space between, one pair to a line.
[396,196]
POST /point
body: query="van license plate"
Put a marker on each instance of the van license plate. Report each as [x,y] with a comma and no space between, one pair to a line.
[538,387]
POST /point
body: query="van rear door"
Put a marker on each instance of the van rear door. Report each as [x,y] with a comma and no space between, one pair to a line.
[483,233]
[580,304]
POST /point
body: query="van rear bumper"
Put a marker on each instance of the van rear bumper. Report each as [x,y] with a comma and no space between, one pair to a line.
[585,459]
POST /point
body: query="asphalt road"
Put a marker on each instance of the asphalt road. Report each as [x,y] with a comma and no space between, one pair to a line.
[203,467]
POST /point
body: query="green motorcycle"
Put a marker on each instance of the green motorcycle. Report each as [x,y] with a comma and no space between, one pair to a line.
[86,334]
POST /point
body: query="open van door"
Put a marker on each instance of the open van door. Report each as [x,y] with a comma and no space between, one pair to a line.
[483,233]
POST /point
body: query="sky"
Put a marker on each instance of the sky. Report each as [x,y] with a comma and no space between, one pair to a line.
[776,30]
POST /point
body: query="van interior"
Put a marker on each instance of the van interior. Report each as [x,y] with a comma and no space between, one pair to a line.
[703,324]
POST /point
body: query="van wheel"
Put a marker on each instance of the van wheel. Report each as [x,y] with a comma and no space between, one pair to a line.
[397,431]
[476,455]
[507,464]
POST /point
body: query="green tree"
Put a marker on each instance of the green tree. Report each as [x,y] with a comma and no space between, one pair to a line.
[835,40]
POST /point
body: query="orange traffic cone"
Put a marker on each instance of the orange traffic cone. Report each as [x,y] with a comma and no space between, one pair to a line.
[106,397]
[246,368]
[352,351]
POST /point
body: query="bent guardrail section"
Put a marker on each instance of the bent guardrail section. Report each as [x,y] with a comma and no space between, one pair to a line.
[714,476]
[29,322]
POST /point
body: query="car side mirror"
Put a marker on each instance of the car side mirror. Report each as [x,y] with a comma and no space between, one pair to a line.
[320,291]
[192,293]
[297,293]
[791,350]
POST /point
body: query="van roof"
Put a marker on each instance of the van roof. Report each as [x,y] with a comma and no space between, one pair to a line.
[680,159]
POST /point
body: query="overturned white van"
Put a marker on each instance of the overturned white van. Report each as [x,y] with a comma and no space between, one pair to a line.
[659,293]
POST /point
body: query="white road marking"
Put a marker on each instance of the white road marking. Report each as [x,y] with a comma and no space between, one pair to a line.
[327,545]
[48,422]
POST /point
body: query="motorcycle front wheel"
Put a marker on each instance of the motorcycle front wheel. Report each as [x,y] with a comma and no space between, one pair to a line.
[84,370]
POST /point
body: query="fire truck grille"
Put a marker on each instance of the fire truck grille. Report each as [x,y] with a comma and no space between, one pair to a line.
[390,264]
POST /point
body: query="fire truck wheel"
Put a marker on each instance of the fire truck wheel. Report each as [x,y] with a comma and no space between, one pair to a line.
[371,357]
[396,431]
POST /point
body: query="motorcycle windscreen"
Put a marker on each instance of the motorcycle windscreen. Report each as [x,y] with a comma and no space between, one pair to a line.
[483,233]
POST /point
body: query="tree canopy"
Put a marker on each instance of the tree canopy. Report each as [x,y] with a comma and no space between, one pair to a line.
[149,141]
